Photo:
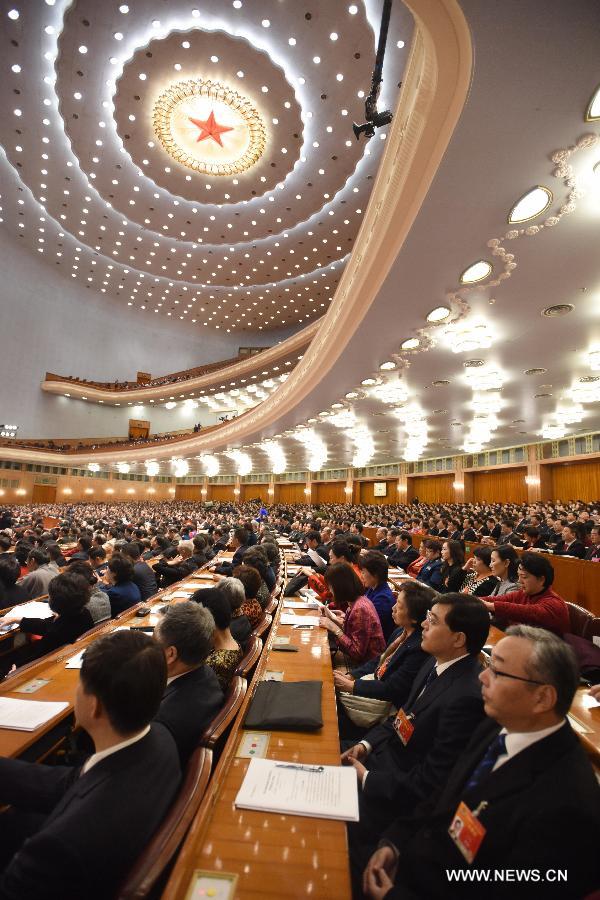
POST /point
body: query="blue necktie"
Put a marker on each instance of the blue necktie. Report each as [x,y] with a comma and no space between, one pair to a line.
[496,749]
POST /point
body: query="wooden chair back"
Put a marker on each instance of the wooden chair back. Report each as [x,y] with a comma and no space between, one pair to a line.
[216,733]
[254,647]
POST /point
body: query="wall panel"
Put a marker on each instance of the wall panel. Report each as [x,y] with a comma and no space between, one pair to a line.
[432,488]
[328,492]
[293,492]
[575,481]
[363,492]
[43,493]
[222,493]
[188,492]
[500,486]
[253,492]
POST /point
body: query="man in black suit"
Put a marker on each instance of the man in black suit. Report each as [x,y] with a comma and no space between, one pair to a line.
[143,575]
[572,545]
[193,695]
[97,819]
[405,553]
[594,551]
[182,566]
[400,762]
[527,777]
[239,542]
[508,534]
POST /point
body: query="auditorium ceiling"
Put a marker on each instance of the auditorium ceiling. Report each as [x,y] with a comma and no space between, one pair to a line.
[483,328]
[193,161]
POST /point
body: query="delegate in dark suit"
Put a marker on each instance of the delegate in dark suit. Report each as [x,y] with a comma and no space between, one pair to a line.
[97,823]
[403,558]
[444,716]
[543,812]
[189,704]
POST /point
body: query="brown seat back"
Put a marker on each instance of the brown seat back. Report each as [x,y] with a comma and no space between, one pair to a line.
[216,733]
[254,647]
[578,618]
[143,878]
[262,626]
[592,629]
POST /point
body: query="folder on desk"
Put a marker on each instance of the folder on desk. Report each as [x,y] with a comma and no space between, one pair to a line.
[285,706]
[323,792]
[35,609]
[27,715]
[291,619]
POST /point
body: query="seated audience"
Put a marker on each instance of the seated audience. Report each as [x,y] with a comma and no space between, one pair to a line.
[10,592]
[524,771]
[251,581]
[532,539]
[431,572]
[98,605]
[593,553]
[240,627]
[257,558]
[143,575]
[193,695]
[239,544]
[182,566]
[404,553]
[504,564]
[573,537]
[374,574]
[402,761]
[119,585]
[479,579]
[39,576]
[68,595]
[453,558]
[534,603]
[357,632]
[390,675]
[226,653]
[97,557]
[92,823]
[340,552]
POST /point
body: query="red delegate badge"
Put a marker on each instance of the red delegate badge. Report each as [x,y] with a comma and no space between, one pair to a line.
[403,726]
[466,831]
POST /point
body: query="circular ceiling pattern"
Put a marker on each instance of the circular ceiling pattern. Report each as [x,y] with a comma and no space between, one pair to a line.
[255,250]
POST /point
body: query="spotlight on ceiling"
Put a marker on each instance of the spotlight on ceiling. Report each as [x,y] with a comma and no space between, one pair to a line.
[374,117]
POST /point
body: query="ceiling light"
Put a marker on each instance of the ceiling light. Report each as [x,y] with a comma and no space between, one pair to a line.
[352,395]
[594,359]
[13,14]
[242,460]
[170,405]
[333,36]
[292,41]
[531,204]
[211,464]
[118,36]
[593,110]
[410,344]
[123,468]
[316,60]
[393,392]
[237,4]
[387,366]
[469,337]
[478,271]
[265,23]
[368,382]
[93,467]
[124,9]
[484,379]
[353,9]
[180,467]
[83,49]
[16,68]
[438,314]
[344,419]
[152,468]
[553,432]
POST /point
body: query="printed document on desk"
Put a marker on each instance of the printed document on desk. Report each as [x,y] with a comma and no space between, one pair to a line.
[291,619]
[322,792]
[35,609]
[27,715]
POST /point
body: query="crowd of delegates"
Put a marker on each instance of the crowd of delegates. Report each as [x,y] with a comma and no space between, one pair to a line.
[457,762]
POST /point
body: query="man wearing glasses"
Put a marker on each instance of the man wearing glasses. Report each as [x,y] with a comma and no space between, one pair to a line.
[523,796]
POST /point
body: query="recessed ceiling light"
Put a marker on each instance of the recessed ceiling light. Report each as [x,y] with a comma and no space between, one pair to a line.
[476,272]
[473,363]
[118,36]
[438,314]
[387,366]
[265,23]
[13,14]
[352,395]
[316,60]
[368,382]
[353,9]
[237,4]
[559,309]
[333,36]
[593,110]
[400,45]
[535,371]
[16,68]
[410,344]
[83,49]
[440,382]
[531,204]
[124,9]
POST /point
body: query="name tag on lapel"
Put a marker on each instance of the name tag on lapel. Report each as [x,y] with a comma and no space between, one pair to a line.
[466,831]
[403,726]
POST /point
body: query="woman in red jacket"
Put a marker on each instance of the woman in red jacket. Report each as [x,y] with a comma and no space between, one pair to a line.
[357,632]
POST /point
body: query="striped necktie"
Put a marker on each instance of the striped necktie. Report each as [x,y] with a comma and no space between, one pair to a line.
[496,749]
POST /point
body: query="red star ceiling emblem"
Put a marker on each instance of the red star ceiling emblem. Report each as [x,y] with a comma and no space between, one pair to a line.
[209,128]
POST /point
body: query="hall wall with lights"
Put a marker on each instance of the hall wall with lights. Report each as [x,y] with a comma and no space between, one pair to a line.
[51,325]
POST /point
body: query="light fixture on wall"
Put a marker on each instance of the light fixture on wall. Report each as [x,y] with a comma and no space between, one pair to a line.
[123,468]
[242,461]
[180,467]
[532,480]
[211,464]
[152,468]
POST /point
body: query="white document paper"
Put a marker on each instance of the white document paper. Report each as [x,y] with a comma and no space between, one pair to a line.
[27,715]
[291,619]
[323,792]
[76,661]
[300,604]
[35,609]
[318,560]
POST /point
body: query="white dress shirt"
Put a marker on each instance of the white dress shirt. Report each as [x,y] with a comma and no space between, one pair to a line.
[516,741]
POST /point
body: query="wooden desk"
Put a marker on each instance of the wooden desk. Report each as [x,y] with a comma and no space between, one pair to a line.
[274,856]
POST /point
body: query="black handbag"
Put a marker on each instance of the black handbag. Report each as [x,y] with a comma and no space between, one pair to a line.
[286,706]
[294,585]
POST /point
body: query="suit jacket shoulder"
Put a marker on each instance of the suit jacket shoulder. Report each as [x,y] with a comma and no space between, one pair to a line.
[189,704]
